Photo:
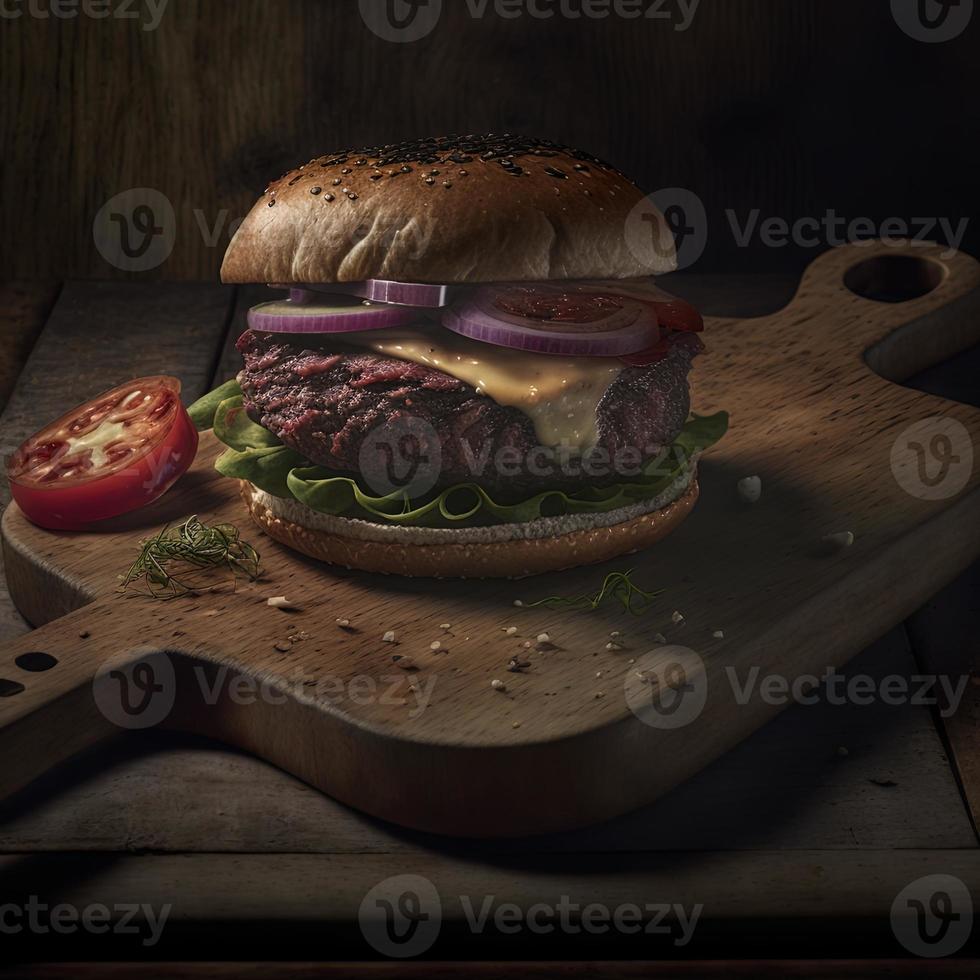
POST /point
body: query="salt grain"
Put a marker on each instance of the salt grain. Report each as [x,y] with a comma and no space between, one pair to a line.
[749,489]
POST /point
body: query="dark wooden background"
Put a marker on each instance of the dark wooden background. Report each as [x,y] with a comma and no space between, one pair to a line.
[790,106]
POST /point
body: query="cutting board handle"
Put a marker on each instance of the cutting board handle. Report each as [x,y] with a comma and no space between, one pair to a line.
[56,695]
[900,305]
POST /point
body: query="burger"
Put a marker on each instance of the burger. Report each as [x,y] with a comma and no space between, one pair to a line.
[470,371]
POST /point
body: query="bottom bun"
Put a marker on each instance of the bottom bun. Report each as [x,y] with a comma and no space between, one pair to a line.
[502,551]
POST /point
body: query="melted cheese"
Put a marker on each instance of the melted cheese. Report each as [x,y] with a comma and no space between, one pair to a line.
[559,394]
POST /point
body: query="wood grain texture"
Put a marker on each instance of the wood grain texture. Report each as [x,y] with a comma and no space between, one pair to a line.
[786,787]
[225,94]
[945,639]
[23,309]
[766,904]
[774,610]
[101,335]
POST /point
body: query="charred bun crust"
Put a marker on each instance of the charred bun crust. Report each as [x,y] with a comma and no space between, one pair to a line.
[451,209]
[501,558]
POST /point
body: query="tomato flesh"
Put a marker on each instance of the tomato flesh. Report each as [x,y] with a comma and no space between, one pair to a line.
[673,316]
[112,455]
[557,305]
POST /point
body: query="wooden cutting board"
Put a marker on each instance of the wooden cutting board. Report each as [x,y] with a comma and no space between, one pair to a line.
[585,731]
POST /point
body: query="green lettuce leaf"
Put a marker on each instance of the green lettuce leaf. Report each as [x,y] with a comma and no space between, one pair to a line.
[256,455]
[202,411]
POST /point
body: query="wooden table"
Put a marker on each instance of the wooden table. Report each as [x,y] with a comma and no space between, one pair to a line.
[796,843]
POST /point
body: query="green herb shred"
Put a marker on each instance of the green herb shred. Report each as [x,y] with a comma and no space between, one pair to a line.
[617,587]
[182,560]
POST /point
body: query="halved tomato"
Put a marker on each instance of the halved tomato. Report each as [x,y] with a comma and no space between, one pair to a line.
[112,455]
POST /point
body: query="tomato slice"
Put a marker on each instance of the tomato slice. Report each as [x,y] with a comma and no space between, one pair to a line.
[110,456]
[556,305]
[675,314]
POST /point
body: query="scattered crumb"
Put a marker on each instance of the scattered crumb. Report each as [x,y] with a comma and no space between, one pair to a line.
[343,623]
[210,612]
[615,633]
[85,634]
[297,637]
[598,673]
[526,644]
[498,685]
[837,541]
[659,638]
[600,694]
[445,626]
[281,602]
[749,489]
[612,645]
[543,639]
[676,617]
[886,783]
[518,603]
[389,637]
[842,751]
[510,630]
[283,646]
[631,661]
[719,634]
[516,724]
[435,645]
[406,663]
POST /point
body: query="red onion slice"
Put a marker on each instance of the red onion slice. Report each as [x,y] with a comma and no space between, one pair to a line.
[555,318]
[338,314]
[425,294]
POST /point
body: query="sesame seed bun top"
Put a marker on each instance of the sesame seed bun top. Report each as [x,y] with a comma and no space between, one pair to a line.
[451,209]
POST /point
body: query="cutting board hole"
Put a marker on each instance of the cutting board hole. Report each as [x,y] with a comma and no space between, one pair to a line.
[35,662]
[894,278]
[9,688]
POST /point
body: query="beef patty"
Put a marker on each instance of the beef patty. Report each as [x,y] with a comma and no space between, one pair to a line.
[330,407]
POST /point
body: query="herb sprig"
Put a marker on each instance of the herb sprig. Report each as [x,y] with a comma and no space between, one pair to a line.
[617,587]
[182,560]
